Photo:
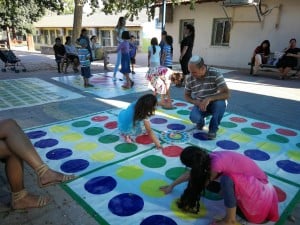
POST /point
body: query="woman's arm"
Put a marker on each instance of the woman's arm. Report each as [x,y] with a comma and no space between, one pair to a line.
[151,134]
[184,49]
[183,178]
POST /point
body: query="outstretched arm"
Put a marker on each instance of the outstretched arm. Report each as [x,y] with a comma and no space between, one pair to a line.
[151,134]
[183,178]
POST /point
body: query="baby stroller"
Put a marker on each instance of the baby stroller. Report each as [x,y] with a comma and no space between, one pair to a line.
[11,61]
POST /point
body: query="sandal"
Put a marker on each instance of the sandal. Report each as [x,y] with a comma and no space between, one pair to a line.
[18,196]
[41,170]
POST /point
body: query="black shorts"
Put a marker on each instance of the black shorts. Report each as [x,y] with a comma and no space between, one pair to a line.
[132,60]
[71,57]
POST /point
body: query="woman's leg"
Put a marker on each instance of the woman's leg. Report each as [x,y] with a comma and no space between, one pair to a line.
[118,62]
[257,63]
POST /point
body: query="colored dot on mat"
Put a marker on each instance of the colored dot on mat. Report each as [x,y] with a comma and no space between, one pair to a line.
[144,139]
[256,154]
[228,145]
[151,187]
[72,137]
[130,172]
[158,120]
[172,151]
[36,134]
[294,155]
[103,156]
[176,126]
[107,139]
[59,153]
[153,161]
[251,131]
[298,145]
[111,125]
[99,118]
[188,215]
[126,147]
[59,128]
[212,195]
[280,194]
[45,143]
[228,124]
[261,125]
[200,136]
[94,130]
[74,165]
[268,146]
[100,185]
[240,138]
[183,112]
[86,146]
[289,166]
[238,119]
[277,138]
[126,204]
[158,220]
[82,123]
[286,132]
[180,104]
[175,172]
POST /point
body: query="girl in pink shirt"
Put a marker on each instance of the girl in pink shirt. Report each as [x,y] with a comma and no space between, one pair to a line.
[244,185]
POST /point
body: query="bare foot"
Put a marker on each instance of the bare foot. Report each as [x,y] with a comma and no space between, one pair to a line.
[25,200]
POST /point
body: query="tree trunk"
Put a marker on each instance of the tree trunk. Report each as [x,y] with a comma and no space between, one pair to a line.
[30,42]
[77,21]
[8,40]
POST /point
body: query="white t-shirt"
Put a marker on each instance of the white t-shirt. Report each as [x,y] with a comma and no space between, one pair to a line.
[154,58]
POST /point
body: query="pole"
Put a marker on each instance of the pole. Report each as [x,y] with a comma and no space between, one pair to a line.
[163,22]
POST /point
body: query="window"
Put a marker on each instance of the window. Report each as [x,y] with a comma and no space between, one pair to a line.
[221,32]
[105,38]
[181,28]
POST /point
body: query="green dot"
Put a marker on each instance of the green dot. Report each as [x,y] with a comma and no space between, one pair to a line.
[212,195]
[94,130]
[240,138]
[153,161]
[251,131]
[294,155]
[268,146]
[151,188]
[277,138]
[126,147]
[298,145]
[107,139]
[175,172]
[228,124]
[82,123]
[183,112]
[130,172]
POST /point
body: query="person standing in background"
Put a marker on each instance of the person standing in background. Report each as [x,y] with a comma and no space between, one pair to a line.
[132,52]
[167,53]
[154,53]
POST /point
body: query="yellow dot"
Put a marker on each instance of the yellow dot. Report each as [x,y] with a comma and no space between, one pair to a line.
[240,138]
[130,172]
[59,128]
[151,187]
[221,130]
[187,215]
[103,156]
[71,137]
[86,146]
[294,155]
[268,146]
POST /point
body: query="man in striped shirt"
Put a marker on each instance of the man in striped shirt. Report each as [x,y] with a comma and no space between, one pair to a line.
[206,89]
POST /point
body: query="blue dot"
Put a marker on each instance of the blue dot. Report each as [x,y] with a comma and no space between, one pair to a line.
[126,204]
[176,126]
[289,166]
[74,165]
[256,154]
[228,145]
[100,185]
[46,143]
[59,153]
[158,220]
[158,120]
[200,136]
[36,134]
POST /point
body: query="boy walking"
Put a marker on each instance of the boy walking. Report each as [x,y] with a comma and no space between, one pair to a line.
[132,52]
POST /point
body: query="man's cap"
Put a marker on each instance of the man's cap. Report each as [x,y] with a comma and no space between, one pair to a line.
[197,59]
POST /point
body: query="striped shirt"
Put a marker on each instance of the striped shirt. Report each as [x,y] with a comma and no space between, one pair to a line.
[167,51]
[84,57]
[206,86]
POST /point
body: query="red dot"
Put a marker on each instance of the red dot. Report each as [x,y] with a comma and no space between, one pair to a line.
[261,125]
[172,151]
[99,118]
[111,125]
[280,194]
[238,119]
[286,132]
[144,139]
[180,104]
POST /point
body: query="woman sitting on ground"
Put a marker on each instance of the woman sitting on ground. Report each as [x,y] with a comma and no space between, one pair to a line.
[261,55]
[15,148]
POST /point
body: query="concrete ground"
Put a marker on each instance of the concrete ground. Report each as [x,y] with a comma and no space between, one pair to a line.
[262,97]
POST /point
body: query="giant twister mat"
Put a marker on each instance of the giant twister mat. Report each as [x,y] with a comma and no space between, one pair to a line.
[105,87]
[25,92]
[118,183]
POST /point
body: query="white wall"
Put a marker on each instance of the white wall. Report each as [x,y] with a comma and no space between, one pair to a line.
[244,36]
